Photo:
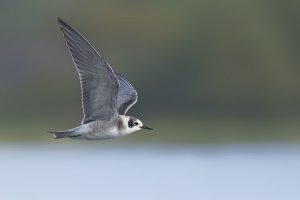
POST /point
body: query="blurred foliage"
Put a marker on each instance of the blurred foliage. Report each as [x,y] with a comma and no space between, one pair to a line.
[190,60]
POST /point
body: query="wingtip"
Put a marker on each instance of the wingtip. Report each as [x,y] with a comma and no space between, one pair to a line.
[62,23]
[59,19]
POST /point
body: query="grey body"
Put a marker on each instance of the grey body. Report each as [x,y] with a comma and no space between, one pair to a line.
[106,95]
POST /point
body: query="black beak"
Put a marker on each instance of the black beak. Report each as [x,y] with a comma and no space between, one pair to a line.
[146,127]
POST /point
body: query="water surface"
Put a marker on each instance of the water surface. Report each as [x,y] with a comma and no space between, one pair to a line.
[210,172]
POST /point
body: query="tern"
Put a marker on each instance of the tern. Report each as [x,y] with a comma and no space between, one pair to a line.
[106,95]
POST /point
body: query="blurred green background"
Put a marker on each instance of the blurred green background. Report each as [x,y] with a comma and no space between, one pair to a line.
[206,71]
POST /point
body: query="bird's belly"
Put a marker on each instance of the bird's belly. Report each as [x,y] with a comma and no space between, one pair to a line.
[96,131]
[98,136]
[101,135]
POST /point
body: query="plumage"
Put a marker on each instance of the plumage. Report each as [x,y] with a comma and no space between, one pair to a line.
[99,86]
[106,95]
[127,95]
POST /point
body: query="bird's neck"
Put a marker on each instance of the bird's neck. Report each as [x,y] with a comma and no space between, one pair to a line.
[123,127]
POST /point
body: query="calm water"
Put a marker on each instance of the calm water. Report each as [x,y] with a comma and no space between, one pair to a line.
[43,171]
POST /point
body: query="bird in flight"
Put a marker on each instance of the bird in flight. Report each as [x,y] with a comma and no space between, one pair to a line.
[106,95]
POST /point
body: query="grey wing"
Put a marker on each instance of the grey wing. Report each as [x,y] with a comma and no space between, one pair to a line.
[127,95]
[99,86]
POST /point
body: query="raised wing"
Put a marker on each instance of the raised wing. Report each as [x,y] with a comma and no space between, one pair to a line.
[127,95]
[99,86]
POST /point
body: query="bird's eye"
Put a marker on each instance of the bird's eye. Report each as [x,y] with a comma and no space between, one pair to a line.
[135,123]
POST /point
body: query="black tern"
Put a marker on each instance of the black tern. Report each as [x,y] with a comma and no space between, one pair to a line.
[106,95]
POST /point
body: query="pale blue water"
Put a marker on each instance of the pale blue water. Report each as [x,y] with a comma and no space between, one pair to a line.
[233,172]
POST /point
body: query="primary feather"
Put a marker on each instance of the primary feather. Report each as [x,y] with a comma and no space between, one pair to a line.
[99,86]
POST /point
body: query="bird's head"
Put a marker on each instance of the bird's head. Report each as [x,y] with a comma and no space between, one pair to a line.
[133,124]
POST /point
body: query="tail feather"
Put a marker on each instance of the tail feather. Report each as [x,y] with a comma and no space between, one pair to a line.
[62,134]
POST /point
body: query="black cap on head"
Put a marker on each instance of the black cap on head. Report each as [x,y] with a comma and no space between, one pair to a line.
[131,121]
